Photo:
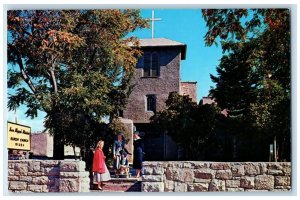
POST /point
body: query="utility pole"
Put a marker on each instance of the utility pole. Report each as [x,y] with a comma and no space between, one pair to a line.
[275,149]
[16,118]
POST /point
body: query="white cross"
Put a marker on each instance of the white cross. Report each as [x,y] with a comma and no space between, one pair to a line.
[152,21]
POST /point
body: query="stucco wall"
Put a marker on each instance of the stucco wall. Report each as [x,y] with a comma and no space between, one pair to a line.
[128,124]
[47,176]
[168,81]
[192,176]
[42,144]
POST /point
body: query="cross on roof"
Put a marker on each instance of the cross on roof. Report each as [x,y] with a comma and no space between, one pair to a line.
[152,22]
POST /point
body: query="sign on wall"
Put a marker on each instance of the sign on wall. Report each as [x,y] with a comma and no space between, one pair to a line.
[18,136]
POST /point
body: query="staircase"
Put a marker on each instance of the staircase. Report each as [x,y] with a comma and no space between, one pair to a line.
[120,184]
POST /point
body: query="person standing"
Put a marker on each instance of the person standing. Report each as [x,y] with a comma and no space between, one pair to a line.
[118,147]
[100,171]
[138,153]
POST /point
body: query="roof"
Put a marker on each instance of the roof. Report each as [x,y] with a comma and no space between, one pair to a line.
[163,42]
[159,42]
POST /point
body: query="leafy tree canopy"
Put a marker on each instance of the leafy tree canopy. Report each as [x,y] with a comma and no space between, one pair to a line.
[189,124]
[253,80]
[75,65]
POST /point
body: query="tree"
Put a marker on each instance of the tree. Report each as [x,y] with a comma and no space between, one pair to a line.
[189,124]
[75,65]
[235,88]
[256,47]
[236,81]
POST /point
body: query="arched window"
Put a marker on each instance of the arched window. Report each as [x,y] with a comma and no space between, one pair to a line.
[151,64]
[154,64]
[147,64]
[151,103]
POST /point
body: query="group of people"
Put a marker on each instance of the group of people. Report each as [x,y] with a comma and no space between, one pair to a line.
[120,155]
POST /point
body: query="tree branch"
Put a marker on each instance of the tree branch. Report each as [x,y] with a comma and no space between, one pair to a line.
[53,80]
[52,74]
[24,75]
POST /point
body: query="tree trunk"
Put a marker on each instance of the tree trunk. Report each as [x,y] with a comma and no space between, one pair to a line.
[58,153]
[74,150]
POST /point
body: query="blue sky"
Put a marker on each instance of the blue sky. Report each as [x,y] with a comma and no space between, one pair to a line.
[185,26]
[188,27]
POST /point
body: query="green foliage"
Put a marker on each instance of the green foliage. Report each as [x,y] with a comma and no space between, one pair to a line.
[231,25]
[189,124]
[253,80]
[117,126]
[235,82]
[75,65]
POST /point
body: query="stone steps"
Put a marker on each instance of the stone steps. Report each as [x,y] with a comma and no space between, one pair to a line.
[121,185]
[131,173]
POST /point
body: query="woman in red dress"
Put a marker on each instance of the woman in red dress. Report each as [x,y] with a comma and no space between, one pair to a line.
[100,170]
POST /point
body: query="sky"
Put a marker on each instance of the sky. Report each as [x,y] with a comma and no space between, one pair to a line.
[185,26]
[188,27]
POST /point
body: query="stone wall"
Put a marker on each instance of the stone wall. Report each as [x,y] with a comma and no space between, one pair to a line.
[128,124]
[189,88]
[167,81]
[192,176]
[42,144]
[47,176]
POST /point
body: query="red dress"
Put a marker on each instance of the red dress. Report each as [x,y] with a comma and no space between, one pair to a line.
[99,161]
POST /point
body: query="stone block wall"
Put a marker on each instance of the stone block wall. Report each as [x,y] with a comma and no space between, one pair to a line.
[47,176]
[167,81]
[189,88]
[190,176]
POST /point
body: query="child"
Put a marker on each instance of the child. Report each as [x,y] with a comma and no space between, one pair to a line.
[100,171]
[124,165]
[118,146]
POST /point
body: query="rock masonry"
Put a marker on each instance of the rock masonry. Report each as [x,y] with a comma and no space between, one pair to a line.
[47,176]
[192,176]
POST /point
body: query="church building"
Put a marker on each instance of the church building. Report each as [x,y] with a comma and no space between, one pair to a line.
[157,75]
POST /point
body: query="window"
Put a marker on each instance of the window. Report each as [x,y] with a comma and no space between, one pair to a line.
[147,64]
[151,103]
[154,66]
[151,64]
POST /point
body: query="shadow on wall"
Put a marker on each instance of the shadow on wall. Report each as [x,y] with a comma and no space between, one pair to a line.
[166,55]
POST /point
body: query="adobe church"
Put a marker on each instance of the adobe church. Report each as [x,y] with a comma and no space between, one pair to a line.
[157,74]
